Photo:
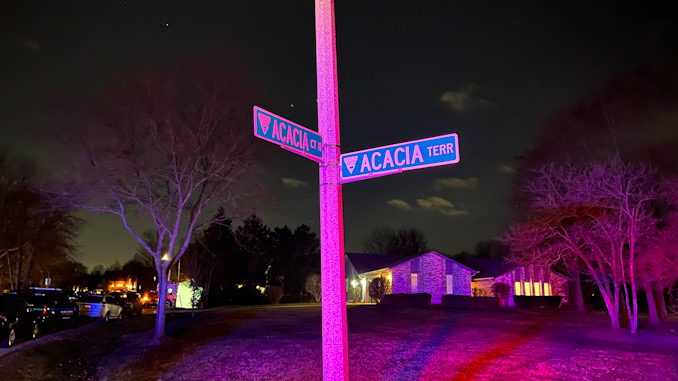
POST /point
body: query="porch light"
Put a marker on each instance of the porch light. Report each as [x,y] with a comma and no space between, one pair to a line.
[389,277]
[354,283]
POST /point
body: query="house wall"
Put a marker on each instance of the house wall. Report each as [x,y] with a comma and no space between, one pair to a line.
[461,277]
[431,270]
[401,279]
[432,276]
[529,275]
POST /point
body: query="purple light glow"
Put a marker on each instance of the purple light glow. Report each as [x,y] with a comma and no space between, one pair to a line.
[334,333]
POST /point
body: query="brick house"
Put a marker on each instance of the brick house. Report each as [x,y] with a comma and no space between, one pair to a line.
[432,273]
[529,280]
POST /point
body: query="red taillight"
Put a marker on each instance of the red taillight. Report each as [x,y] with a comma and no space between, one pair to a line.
[44,310]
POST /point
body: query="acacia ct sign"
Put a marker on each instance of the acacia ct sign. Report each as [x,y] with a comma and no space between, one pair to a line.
[288,135]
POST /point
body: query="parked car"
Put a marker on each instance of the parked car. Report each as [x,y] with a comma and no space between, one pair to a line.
[131,302]
[17,319]
[90,305]
[111,308]
[153,298]
[54,306]
[103,307]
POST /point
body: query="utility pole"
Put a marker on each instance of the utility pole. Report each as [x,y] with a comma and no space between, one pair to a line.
[334,332]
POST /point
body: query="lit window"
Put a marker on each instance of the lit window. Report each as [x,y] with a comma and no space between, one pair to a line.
[449,284]
[547,289]
[518,288]
[414,283]
[537,288]
[528,289]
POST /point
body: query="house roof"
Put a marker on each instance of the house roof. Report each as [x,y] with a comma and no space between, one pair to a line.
[364,263]
[370,262]
[489,268]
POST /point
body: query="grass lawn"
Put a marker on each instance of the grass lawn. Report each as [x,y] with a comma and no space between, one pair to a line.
[283,343]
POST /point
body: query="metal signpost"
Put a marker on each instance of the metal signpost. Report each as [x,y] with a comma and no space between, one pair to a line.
[324,147]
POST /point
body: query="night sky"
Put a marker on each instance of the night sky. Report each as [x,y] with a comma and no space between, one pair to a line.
[489,71]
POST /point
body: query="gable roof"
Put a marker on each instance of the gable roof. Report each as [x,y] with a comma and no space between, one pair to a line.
[370,262]
[364,263]
[488,268]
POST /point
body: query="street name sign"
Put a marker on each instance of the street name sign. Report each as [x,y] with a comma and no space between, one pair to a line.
[288,135]
[396,158]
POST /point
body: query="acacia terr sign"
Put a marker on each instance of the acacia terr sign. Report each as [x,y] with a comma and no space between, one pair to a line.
[395,158]
[288,135]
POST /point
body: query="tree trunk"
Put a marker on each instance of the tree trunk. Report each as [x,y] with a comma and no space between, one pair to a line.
[162,303]
[578,294]
[29,268]
[611,299]
[651,305]
[623,307]
[19,262]
[617,305]
[661,304]
[634,311]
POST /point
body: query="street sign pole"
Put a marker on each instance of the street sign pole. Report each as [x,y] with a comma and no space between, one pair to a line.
[334,333]
[335,169]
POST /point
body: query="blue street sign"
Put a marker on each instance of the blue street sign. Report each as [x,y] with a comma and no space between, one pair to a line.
[288,135]
[387,160]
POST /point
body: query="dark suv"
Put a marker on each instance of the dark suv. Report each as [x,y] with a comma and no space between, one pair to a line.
[130,301]
[55,307]
[17,319]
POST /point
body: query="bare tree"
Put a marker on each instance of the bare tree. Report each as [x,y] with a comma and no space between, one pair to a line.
[160,149]
[604,217]
[383,239]
[199,265]
[35,233]
[313,286]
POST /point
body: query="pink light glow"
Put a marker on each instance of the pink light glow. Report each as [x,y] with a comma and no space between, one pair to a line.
[334,333]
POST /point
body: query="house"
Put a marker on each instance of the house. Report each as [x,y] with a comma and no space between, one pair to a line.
[432,273]
[529,280]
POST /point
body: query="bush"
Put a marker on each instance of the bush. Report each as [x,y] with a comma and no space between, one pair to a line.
[460,301]
[274,294]
[527,302]
[378,288]
[407,300]
[502,291]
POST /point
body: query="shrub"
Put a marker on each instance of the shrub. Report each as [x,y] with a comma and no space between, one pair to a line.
[522,301]
[378,288]
[502,291]
[407,300]
[355,293]
[460,301]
